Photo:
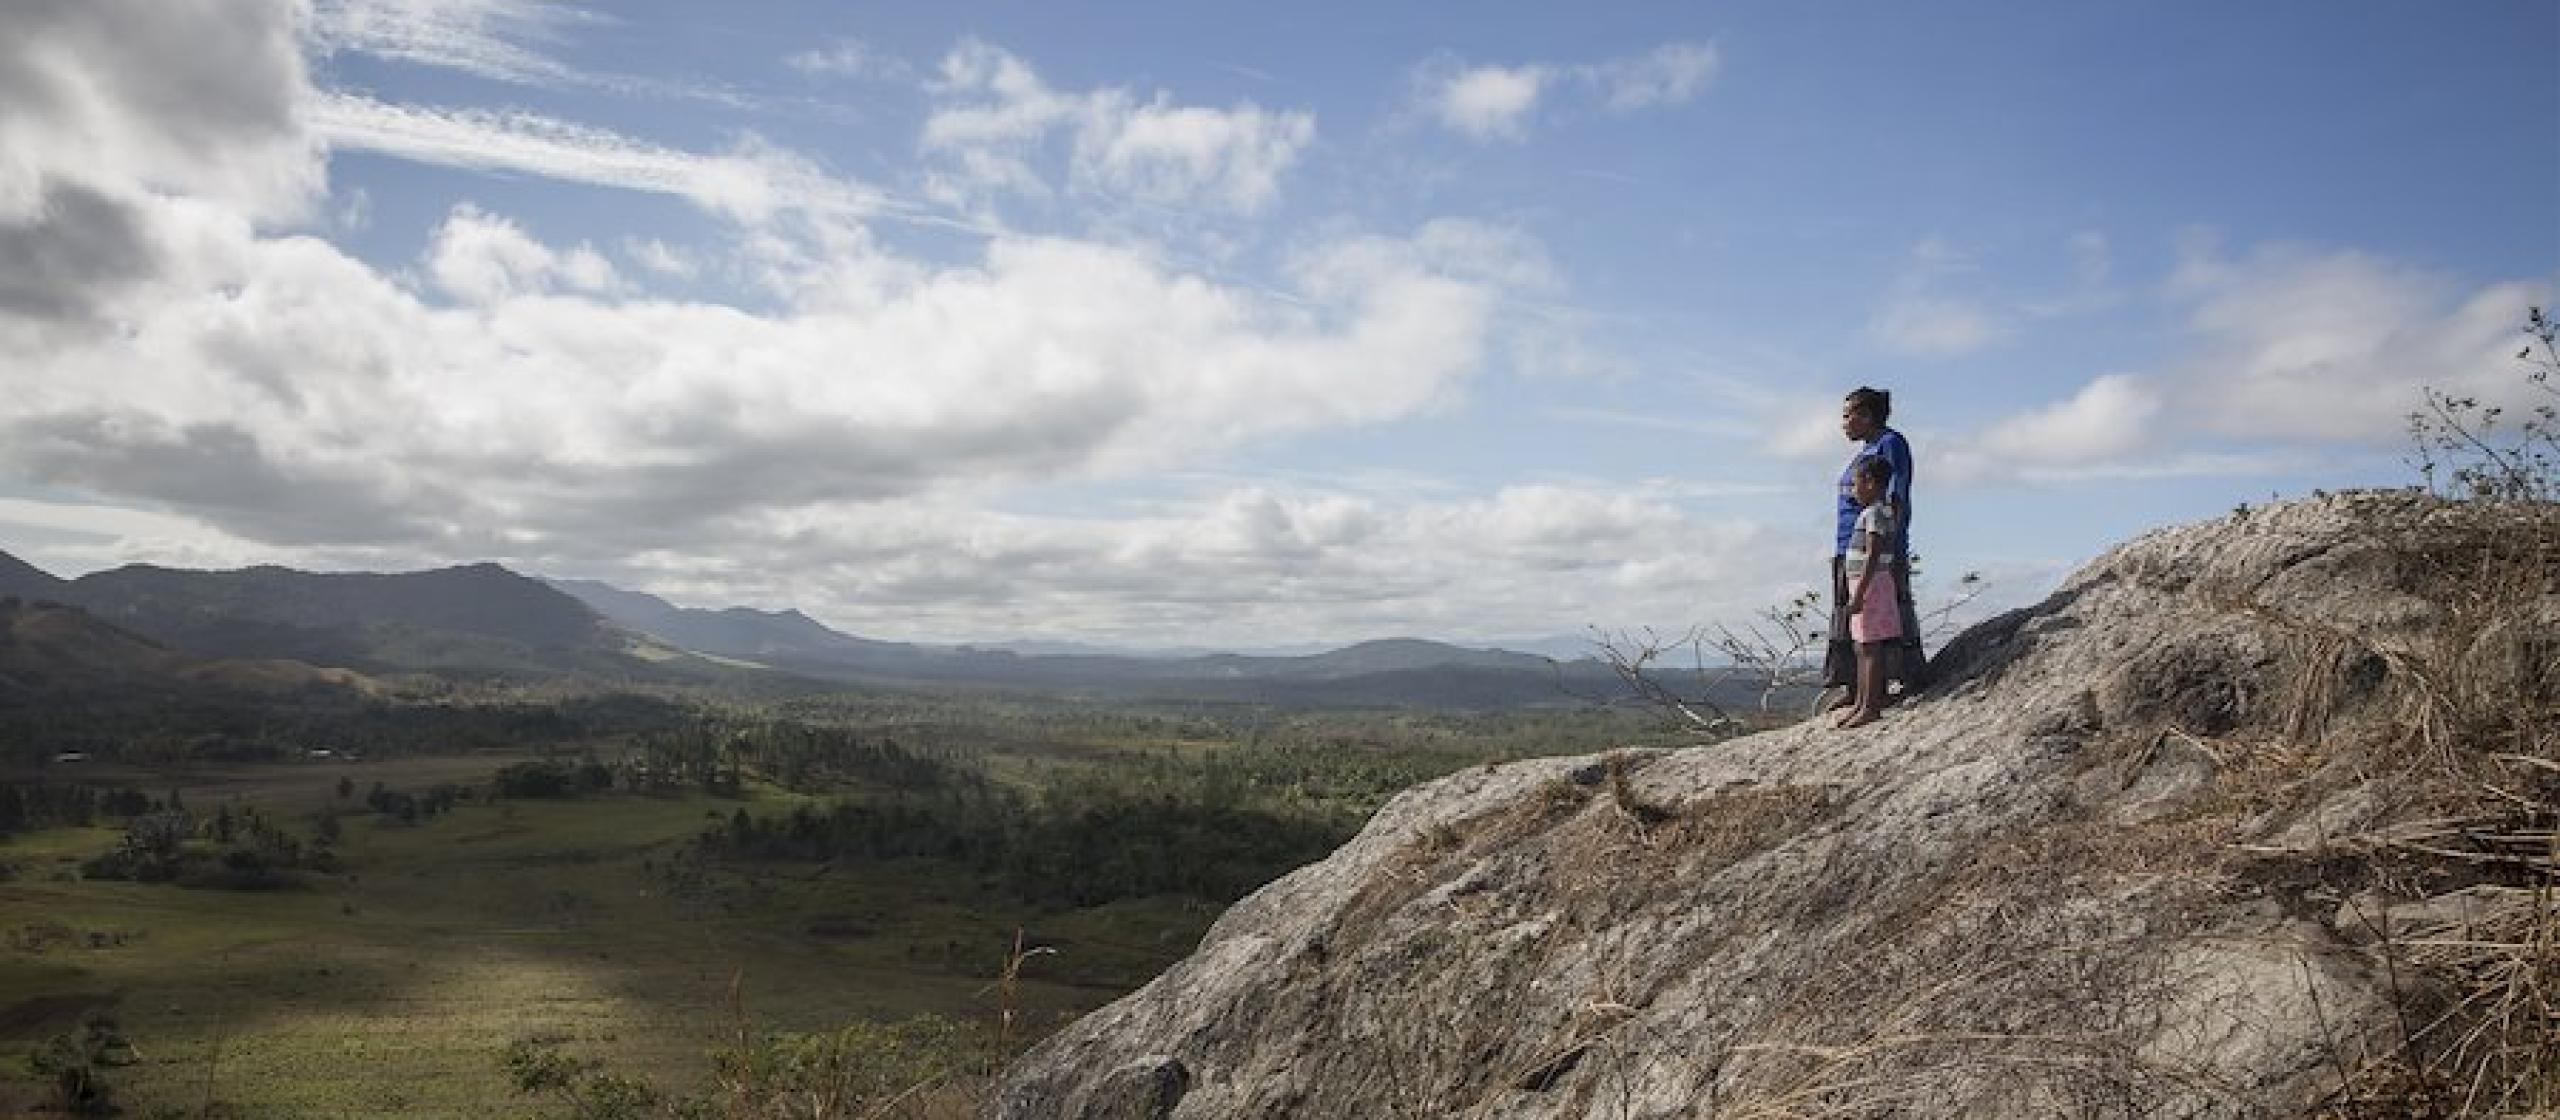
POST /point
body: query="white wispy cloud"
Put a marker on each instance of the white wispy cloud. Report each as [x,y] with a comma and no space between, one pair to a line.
[749,183]
[1928,311]
[994,114]
[1489,101]
[848,58]
[495,39]
[519,42]
[1670,74]
[2285,351]
[1720,428]
[1934,326]
[2304,344]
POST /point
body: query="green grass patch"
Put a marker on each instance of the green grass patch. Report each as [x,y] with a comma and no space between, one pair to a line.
[390,988]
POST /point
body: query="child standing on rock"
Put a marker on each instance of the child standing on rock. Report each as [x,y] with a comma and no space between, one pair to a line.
[1875,613]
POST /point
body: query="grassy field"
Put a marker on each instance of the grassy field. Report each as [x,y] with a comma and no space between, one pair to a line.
[389,988]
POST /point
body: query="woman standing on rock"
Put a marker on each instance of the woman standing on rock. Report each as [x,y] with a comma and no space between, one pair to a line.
[1862,419]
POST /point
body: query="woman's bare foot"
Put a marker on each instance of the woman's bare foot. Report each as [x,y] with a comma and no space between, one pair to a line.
[1858,718]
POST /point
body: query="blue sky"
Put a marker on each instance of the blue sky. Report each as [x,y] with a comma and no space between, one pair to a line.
[1252,326]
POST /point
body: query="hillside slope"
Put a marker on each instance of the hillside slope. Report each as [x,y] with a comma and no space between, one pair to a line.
[50,652]
[475,618]
[2130,857]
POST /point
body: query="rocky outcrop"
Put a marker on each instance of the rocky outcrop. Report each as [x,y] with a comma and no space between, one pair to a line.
[2093,871]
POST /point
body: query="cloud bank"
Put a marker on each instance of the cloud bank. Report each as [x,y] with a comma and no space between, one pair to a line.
[230,389]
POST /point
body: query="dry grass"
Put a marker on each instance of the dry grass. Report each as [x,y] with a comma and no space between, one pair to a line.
[2476,709]
[2449,728]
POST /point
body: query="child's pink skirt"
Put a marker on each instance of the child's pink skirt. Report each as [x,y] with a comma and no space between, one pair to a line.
[1880,617]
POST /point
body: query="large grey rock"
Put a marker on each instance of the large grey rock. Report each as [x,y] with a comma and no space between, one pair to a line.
[2055,884]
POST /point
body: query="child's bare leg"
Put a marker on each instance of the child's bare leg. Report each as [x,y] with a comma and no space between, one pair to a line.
[1870,685]
[1856,701]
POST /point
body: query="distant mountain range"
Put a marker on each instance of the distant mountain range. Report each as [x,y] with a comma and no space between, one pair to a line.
[471,620]
[50,650]
[1387,671]
[484,620]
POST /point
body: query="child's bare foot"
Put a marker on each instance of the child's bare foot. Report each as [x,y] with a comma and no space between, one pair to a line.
[1858,718]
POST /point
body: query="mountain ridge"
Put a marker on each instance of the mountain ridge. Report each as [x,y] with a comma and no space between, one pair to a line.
[485,619]
[1375,671]
[470,618]
[56,649]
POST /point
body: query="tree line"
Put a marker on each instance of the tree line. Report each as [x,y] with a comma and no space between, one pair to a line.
[1080,843]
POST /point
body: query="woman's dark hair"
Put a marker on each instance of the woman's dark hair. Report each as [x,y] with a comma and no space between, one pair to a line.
[1878,468]
[1876,403]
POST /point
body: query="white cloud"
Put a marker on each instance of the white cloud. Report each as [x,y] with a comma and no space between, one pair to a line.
[994,113]
[1934,326]
[1496,102]
[72,538]
[2285,350]
[513,41]
[285,392]
[750,183]
[1168,153]
[1713,427]
[1248,565]
[661,258]
[1671,74]
[1811,430]
[488,38]
[846,58]
[2299,344]
[1259,565]
[305,399]
[126,96]
[265,396]
[1921,318]
[1487,102]
[2109,417]
[483,259]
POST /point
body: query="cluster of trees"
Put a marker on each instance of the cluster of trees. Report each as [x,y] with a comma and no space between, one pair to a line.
[245,850]
[716,755]
[1212,824]
[403,806]
[212,725]
[550,779]
[39,805]
[1081,844]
